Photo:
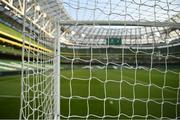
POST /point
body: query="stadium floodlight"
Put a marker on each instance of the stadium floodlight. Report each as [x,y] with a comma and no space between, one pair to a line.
[113,60]
[44,15]
[83,35]
[73,33]
[38,8]
[7,8]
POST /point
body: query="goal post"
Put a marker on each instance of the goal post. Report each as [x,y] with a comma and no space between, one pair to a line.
[40,78]
[57,48]
[102,69]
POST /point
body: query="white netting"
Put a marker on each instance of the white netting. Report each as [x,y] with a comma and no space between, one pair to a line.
[37,83]
[120,71]
[124,70]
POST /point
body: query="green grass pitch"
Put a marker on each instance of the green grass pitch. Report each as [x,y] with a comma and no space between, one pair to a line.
[138,85]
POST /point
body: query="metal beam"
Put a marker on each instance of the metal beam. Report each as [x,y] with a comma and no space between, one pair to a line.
[21,10]
[121,23]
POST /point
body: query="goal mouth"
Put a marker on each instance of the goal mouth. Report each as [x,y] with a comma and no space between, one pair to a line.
[108,58]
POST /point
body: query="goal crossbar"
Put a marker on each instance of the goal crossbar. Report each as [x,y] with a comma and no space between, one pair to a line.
[121,23]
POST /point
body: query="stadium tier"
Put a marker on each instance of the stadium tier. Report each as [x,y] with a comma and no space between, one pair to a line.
[8,35]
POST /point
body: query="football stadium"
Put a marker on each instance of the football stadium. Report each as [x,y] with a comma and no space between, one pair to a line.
[89,59]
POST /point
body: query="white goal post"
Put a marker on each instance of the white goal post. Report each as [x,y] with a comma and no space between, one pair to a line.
[113,60]
[40,81]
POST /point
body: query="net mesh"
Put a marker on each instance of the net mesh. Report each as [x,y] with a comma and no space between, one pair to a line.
[130,79]
[37,83]
[121,72]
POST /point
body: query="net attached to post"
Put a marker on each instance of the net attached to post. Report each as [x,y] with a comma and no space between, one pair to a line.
[119,59]
[38,71]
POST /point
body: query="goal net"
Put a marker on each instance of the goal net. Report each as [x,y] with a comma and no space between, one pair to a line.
[117,60]
[40,89]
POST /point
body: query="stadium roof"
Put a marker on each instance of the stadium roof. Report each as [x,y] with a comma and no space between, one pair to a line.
[54,8]
[88,20]
[147,20]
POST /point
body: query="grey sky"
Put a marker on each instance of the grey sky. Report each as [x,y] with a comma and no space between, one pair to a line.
[118,9]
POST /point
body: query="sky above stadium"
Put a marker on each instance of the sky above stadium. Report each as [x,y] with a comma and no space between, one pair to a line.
[133,10]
